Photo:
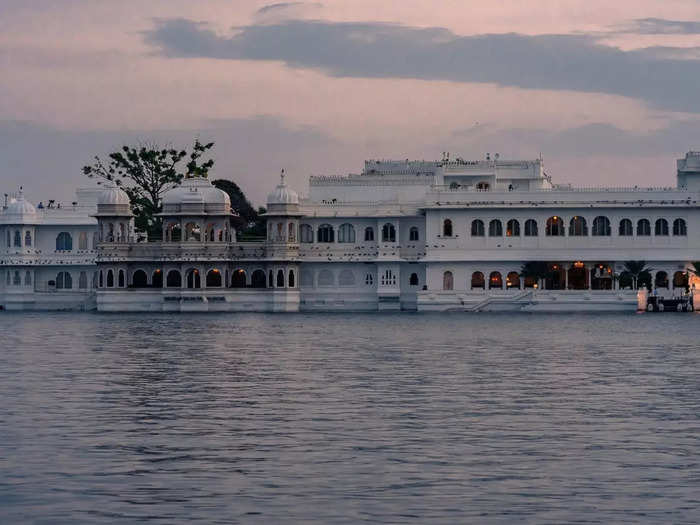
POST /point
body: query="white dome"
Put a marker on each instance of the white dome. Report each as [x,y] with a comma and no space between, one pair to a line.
[283,194]
[113,195]
[20,208]
[197,190]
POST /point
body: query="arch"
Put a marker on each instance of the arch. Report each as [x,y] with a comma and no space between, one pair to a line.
[121,281]
[661,227]
[513,280]
[64,241]
[413,280]
[346,278]
[530,228]
[601,226]
[346,233]
[680,280]
[193,232]
[679,227]
[325,278]
[157,278]
[291,235]
[513,228]
[174,279]
[280,232]
[28,238]
[578,226]
[82,241]
[369,234]
[325,233]
[307,279]
[306,233]
[280,279]
[625,229]
[388,278]
[448,281]
[661,280]
[173,232]
[210,232]
[193,279]
[388,233]
[447,228]
[413,234]
[495,228]
[478,228]
[110,278]
[290,279]
[82,281]
[270,279]
[554,227]
[258,279]
[214,279]
[643,228]
[64,281]
[478,280]
[17,279]
[139,279]
[238,279]
[369,279]
[18,239]
[495,280]
[102,280]
[28,278]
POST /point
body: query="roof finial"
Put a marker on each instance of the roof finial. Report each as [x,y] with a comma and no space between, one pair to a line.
[282,177]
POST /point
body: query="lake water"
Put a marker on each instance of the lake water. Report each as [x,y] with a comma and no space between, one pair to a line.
[471,418]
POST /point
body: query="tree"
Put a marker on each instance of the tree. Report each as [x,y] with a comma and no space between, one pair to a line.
[695,270]
[637,269]
[145,173]
[249,223]
[538,270]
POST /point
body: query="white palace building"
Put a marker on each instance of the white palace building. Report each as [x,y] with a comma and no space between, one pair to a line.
[402,235]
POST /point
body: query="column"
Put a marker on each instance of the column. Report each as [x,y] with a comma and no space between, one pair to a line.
[566,268]
[589,279]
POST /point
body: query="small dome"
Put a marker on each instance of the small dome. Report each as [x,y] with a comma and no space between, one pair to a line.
[283,194]
[197,190]
[113,195]
[19,207]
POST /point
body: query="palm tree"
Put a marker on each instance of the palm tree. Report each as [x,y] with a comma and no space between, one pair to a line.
[537,270]
[635,269]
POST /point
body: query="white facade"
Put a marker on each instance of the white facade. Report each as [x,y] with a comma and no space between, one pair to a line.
[443,235]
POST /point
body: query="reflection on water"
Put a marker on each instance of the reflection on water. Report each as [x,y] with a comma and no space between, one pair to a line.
[481,418]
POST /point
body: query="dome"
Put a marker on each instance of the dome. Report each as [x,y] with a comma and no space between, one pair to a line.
[197,190]
[20,208]
[283,194]
[113,195]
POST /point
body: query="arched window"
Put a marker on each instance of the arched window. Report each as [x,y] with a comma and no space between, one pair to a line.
[157,278]
[64,241]
[680,280]
[174,279]
[18,239]
[28,238]
[82,281]
[214,278]
[110,279]
[325,278]
[102,280]
[578,227]
[661,227]
[369,279]
[346,233]
[478,280]
[661,280]
[495,280]
[64,281]
[513,280]
[601,227]
[413,234]
[554,227]
[193,279]
[346,278]
[369,234]
[448,282]
[530,228]
[643,228]
[307,279]
[280,279]
[679,227]
[291,279]
[625,228]
[291,237]
[173,232]
[121,279]
[28,278]
[495,228]
[17,279]
[238,280]
[477,228]
[447,228]
[193,232]
[388,233]
[139,279]
[257,280]
[82,241]
[306,233]
[270,280]
[513,228]
[413,280]
[325,233]
[388,278]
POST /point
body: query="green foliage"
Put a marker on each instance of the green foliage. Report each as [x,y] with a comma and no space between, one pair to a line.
[695,270]
[249,224]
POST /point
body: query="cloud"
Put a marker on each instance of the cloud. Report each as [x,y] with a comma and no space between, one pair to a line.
[282,6]
[660,26]
[377,50]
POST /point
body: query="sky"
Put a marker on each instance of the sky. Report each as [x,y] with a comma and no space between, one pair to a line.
[606,92]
